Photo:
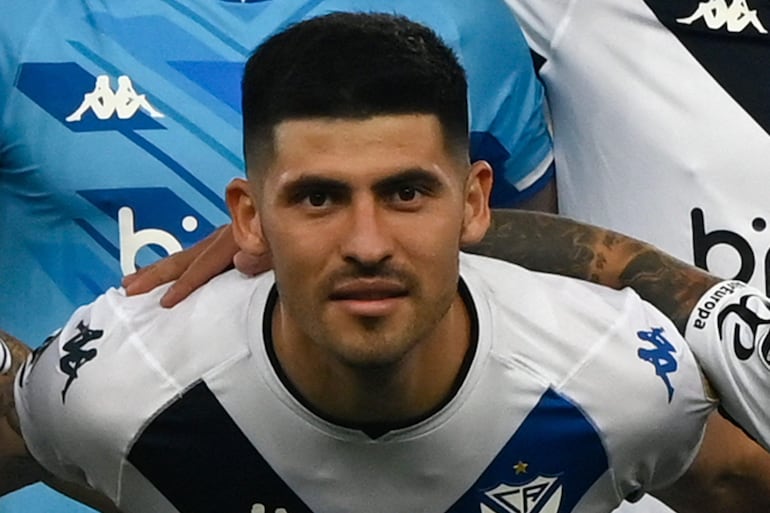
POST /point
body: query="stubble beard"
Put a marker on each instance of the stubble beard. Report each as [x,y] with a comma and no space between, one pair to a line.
[379,344]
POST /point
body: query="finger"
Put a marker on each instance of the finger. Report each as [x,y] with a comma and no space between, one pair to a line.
[162,271]
[166,269]
[213,260]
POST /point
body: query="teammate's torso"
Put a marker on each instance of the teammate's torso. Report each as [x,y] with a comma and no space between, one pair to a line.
[121,128]
[541,422]
[661,121]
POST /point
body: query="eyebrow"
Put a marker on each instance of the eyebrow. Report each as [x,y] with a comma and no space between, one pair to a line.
[410,176]
[306,184]
[404,177]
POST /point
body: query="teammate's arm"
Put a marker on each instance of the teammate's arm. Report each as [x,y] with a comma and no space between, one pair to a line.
[556,244]
[17,466]
[730,473]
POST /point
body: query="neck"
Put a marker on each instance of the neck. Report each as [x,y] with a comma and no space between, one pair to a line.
[397,393]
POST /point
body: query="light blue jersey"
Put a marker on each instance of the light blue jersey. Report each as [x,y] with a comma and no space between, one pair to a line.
[121,128]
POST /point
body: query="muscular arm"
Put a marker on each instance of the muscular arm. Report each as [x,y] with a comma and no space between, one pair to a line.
[730,473]
[558,245]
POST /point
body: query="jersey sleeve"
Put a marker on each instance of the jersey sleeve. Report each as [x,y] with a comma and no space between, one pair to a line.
[646,393]
[76,418]
[729,332]
[507,102]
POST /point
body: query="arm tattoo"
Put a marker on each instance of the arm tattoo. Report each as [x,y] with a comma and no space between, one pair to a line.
[555,244]
[19,352]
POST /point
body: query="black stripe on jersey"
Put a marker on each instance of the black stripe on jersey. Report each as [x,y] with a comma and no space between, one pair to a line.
[739,60]
[197,457]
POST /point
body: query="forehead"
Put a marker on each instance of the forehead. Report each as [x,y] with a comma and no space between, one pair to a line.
[379,143]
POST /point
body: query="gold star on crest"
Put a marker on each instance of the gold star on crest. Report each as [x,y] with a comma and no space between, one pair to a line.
[521,467]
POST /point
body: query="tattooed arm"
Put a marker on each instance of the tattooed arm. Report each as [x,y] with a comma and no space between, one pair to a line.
[17,467]
[559,245]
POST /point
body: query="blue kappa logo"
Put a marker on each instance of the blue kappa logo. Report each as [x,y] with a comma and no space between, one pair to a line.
[661,357]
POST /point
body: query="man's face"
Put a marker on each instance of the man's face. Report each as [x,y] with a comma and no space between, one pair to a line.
[364,220]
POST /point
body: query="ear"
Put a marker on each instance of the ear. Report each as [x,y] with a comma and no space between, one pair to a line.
[477,216]
[247,228]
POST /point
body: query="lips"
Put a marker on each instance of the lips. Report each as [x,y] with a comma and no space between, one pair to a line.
[369,298]
[368,290]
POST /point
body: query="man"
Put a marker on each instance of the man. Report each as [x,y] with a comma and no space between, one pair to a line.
[660,122]
[377,368]
[121,127]
[660,131]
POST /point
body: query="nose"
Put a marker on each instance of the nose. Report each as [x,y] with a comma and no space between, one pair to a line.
[368,240]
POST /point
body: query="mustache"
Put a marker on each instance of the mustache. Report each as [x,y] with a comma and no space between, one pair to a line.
[380,271]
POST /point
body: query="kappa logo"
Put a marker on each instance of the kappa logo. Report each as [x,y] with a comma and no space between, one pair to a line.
[75,355]
[661,357]
[124,102]
[736,16]
[540,495]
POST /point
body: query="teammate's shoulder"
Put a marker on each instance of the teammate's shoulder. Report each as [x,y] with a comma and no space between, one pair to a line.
[20,20]
[494,17]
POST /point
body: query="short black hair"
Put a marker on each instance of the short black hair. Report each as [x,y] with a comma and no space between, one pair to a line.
[352,65]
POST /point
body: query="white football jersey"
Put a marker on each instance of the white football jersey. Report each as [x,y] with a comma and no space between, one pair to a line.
[574,397]
[661,122]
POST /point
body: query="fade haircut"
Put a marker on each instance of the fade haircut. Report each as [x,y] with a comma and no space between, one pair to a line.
[354,66]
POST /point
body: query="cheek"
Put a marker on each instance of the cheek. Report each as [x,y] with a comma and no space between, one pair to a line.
[300,259]
[431,239]
[295,240]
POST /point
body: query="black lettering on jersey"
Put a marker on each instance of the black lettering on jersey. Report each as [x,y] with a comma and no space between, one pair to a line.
[739,318]
[730,39]
[199,459]
[75,356]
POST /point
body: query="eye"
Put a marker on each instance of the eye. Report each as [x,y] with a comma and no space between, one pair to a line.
[317,199]
[407,193]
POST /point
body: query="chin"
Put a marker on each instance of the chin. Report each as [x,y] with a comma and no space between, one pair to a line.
[375,352]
